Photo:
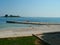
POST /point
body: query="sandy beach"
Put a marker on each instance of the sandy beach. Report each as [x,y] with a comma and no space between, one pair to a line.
[20,32]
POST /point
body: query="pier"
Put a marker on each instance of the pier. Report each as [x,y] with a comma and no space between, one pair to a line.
[36,23]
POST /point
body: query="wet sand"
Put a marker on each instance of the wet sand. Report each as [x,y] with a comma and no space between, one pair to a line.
[20,32]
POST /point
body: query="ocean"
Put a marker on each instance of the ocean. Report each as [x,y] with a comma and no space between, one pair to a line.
[4,25]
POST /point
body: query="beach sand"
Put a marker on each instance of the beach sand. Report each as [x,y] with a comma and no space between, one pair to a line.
[20,32]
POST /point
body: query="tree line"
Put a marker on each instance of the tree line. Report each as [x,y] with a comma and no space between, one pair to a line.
[6,15]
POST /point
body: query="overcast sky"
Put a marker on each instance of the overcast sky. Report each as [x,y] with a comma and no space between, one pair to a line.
[30,8]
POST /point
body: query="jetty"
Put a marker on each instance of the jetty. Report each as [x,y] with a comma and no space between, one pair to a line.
[36,23]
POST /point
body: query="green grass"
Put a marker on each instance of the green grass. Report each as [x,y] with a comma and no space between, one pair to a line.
[18,41]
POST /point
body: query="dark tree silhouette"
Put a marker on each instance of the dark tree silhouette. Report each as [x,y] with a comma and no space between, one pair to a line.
[11,15]
[6,15]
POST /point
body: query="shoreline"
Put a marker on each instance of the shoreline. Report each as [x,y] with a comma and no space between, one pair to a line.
[21,32]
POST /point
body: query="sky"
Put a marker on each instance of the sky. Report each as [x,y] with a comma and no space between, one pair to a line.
[30,8]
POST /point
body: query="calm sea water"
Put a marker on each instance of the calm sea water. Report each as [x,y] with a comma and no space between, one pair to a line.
[4,25]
